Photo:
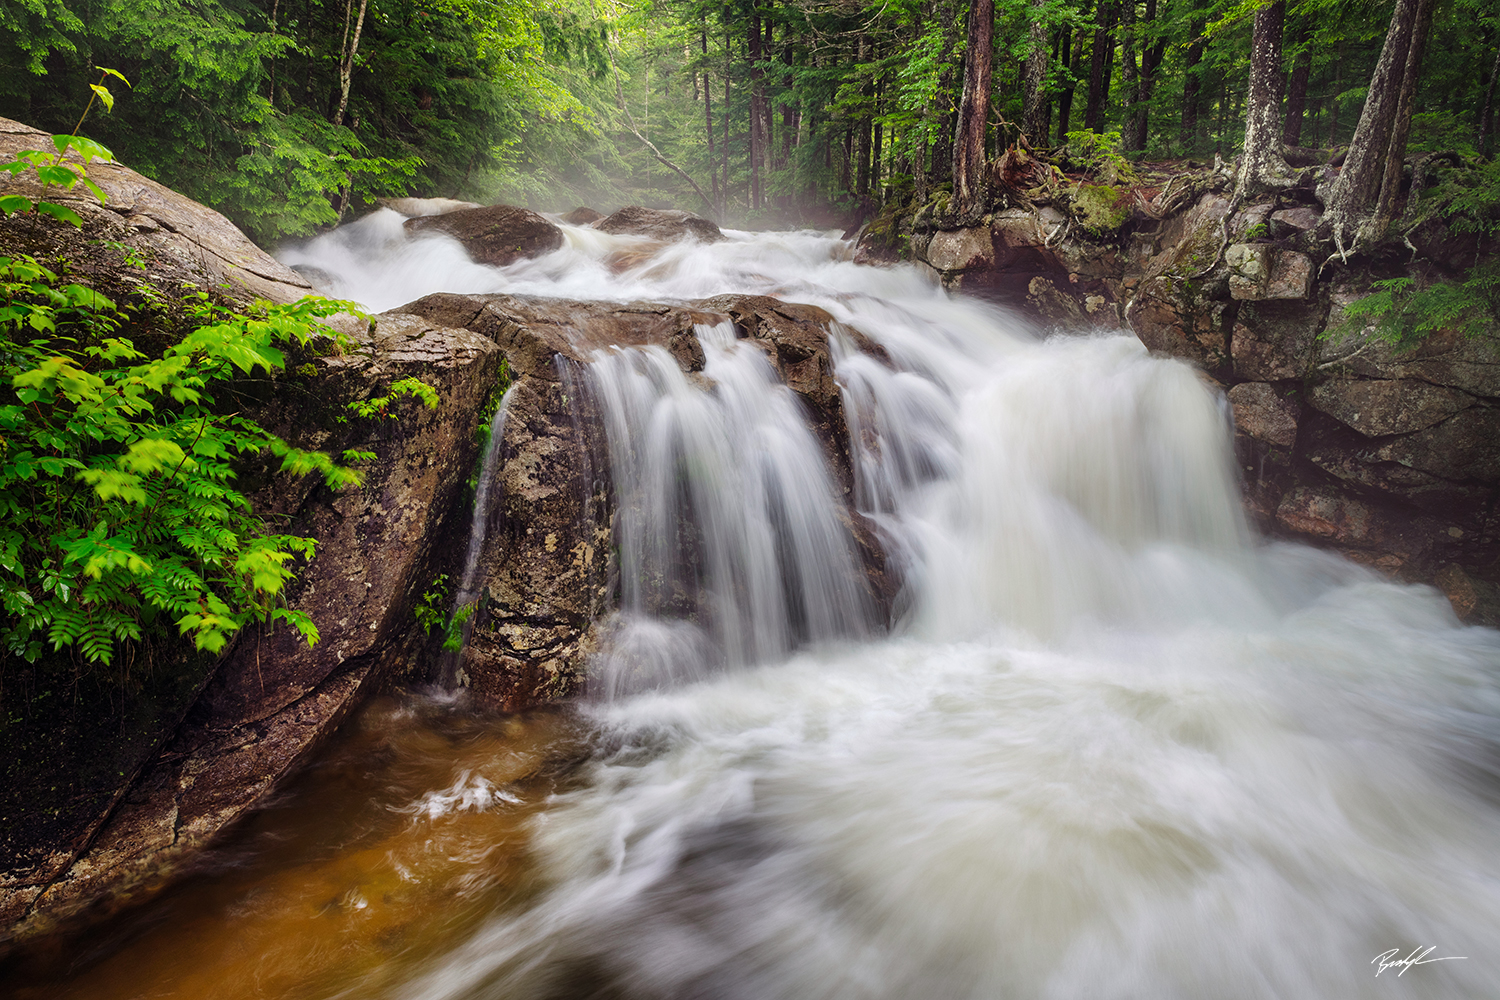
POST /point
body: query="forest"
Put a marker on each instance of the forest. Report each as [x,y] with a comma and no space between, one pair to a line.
[287,115]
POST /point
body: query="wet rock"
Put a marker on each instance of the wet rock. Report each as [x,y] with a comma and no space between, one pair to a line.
[415,208]
[1476,601]
[1327,516]
[667,225]
[582,216]
[497,235]
[1379,407]
[963,248]
[1264,413]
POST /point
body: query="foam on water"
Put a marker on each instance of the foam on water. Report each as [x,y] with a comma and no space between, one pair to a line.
[1118,747]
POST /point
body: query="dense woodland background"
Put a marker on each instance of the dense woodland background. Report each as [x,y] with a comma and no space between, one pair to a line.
[286,114]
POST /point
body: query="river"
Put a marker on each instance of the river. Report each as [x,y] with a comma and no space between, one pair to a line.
[1115,745]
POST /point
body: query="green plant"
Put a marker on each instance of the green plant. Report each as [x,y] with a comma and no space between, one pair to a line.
[65,175]
[1402,313]
[1098,153]
[118,512]
[431,610]
[379,407]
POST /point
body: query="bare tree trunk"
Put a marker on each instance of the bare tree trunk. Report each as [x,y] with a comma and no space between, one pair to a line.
[970,171]
[1073,49]
[1192,84]
[862,142]
[1151,56]
[1390,185]
[1357,188]
[942,146]
[1034,78]
[349,49]
[1128,71]
[1487,116]
[708,119]
[757,95]
[1296,97]
[1261,165]
[1098,75]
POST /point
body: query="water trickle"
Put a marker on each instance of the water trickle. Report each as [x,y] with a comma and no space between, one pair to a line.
[468,593]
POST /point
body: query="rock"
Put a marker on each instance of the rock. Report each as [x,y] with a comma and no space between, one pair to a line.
[1299,218]
[666,225]
[1259,271]
[1175,309]
[271,699]
[1327,516]
[1377,408]
[1276,340]
[1264,414]
[416,208]
[1249,269]
[179,241]
[497,235]
[1463,447]
[1476,601]
[582,216]
[964,248]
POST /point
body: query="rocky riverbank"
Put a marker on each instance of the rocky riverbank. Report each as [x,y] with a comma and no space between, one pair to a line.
[1387,452]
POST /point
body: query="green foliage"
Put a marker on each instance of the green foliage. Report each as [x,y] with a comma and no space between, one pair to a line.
[118,511]
[431,609]
[379,406]
[1098,154]
[1403,313]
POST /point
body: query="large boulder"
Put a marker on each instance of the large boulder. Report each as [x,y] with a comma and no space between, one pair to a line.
[142,232]
[666,225]
[497,235]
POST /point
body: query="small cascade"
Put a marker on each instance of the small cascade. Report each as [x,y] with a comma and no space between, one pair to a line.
[467,594]
[731,545]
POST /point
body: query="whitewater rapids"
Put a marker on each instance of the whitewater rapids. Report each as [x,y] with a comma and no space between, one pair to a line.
[1115,747]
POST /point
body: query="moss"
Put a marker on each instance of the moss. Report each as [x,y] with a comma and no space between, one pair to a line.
[308,370]
[1100,208]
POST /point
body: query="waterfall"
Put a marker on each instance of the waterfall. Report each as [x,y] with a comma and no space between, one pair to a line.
[731,546]
[1116,745]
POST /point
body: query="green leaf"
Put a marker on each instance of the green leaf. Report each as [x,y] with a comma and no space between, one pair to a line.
[60,213]
[104,95]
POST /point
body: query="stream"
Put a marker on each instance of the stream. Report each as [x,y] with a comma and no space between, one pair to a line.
[1114,746]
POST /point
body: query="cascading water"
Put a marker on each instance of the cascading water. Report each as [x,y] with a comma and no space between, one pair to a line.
[730,544]
[1118,747]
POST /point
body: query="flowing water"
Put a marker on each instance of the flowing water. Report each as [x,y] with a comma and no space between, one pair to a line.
[1115,746]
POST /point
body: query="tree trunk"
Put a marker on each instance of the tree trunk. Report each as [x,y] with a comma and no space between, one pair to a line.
[757,96]
[1357,187]
[1487,116]
[1098,77]
[1192,85]
[970,170]
[1296,97]
[1128,72]
[708,121]
[1390,185]
[1151,56]
[1073,52]
[1034,78]
[1261,165]
[349,49]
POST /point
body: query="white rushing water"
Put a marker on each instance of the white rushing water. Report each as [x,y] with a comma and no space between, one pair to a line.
[1116,747]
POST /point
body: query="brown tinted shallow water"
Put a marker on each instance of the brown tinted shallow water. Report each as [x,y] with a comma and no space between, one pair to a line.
[408,831]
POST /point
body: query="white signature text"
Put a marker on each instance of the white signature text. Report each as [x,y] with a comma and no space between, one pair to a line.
[1418,956]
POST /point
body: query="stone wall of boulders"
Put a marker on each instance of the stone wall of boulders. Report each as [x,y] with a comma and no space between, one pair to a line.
[1390,455]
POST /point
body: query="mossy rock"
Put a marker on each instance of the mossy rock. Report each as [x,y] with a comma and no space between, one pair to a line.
[1100,208]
